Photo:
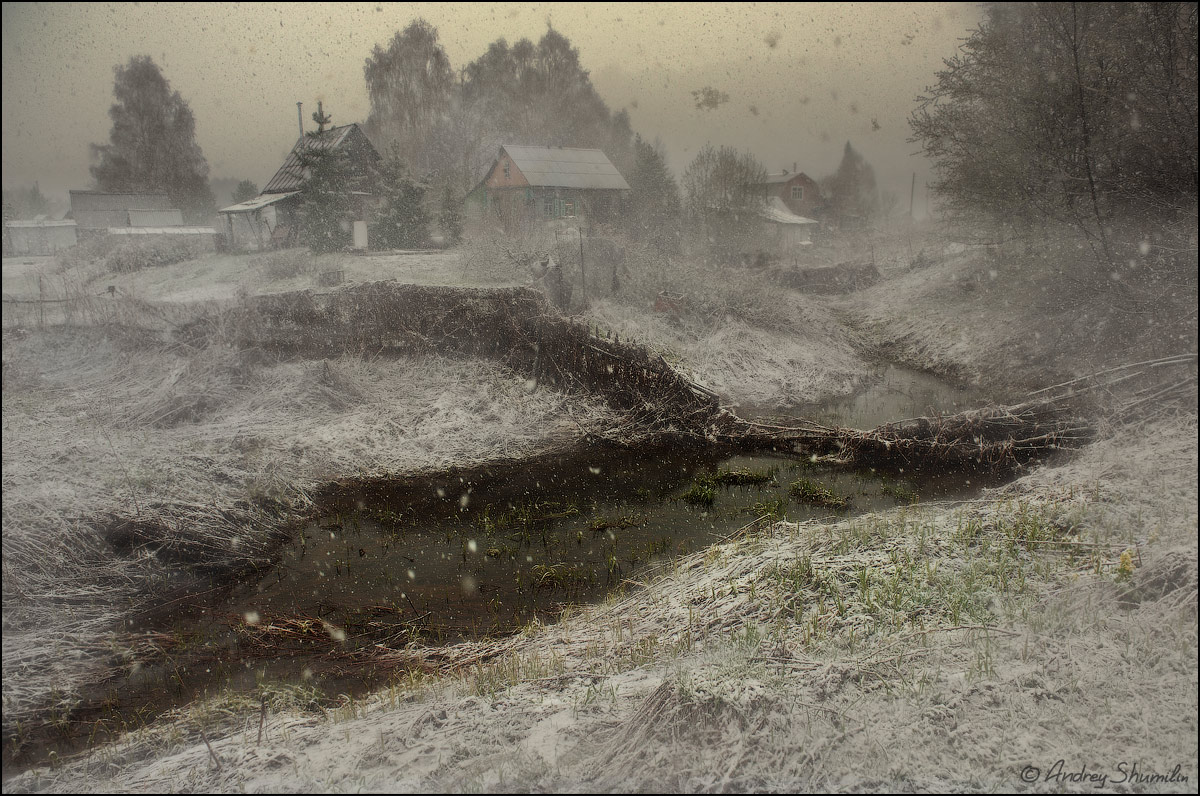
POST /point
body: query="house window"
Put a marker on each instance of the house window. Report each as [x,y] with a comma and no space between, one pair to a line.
[797,193]
[568,208]
[548,207]
[507,170]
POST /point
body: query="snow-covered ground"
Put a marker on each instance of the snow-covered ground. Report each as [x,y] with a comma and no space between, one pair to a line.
[938,647]
[223,277]
[766,664]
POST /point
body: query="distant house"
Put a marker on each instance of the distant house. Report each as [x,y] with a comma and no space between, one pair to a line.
[796,190]
[539,183]
[41,236]
[96,212]
[142,213]
[272,219]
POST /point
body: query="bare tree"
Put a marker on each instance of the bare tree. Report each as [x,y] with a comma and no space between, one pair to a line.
[724,198]
[410,86]
[1084,114]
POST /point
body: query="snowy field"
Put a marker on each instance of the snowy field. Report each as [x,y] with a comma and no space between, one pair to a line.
[854,649]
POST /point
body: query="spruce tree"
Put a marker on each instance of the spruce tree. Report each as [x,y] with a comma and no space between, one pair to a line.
[152,145]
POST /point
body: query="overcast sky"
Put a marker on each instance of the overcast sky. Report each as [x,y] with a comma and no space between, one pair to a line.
[802,78]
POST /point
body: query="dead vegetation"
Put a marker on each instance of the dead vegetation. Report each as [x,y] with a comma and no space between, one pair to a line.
[966,638]
[136,469]
[515,326]
[229,407]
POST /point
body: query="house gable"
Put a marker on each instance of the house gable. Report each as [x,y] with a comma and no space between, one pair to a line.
[799,192]
[505,173]
[348,138]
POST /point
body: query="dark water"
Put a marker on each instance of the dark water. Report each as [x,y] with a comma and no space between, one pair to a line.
[488,553]
[468,553]
[894,393]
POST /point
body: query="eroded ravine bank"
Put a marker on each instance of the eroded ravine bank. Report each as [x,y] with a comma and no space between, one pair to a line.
[975,641]
[330,325]
[516,327]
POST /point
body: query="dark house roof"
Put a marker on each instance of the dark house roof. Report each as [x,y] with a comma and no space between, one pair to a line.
[786,176]
[348,137]
[564,167]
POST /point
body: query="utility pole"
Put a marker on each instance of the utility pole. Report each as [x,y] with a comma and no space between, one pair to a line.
[582,270]
[300,118]
[912,192]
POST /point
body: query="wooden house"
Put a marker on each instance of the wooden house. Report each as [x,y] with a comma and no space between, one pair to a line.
[798,192]
[272,219]
[528,184]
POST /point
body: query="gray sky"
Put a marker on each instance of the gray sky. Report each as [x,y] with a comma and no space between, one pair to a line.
[802,78]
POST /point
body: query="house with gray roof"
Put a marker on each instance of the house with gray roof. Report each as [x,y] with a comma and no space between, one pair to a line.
[527,184]
[272,219]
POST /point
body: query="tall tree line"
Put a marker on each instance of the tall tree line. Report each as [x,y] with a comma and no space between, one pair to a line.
[1082,113]
[453,122]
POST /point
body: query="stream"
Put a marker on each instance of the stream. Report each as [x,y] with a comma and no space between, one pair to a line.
[471,553]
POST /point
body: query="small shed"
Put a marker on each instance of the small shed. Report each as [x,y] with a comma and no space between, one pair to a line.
[272,218]
[785,232]
[38,237]
[95,212]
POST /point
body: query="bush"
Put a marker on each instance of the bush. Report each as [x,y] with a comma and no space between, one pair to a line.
[284,264]
[150,252]
[88,251]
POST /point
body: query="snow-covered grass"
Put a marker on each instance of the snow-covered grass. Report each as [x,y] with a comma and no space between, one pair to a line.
[207,452]
[216,276]
[933,647]
[811,359]
[928,648]
[1023,312]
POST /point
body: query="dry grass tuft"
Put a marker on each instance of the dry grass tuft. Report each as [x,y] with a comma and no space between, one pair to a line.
[135,467]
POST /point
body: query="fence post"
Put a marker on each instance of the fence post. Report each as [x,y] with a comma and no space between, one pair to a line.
[582,269]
